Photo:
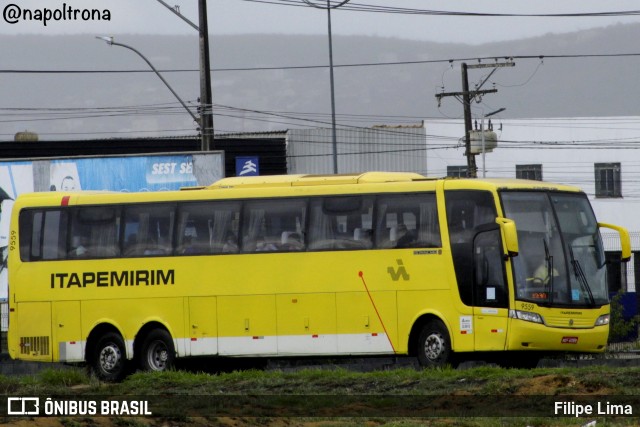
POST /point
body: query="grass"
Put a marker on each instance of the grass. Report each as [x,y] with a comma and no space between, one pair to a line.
[481,380]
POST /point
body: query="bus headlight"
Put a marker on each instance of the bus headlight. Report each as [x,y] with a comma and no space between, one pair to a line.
[602,320]
[526,315]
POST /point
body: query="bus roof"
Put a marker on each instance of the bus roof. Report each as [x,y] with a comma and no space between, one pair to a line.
[299,180]
[508,184]
[382,177]
[323,184]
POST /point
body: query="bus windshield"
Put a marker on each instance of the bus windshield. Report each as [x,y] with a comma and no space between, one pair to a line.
[561,257]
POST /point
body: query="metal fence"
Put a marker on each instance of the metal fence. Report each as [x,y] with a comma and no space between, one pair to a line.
[4,316]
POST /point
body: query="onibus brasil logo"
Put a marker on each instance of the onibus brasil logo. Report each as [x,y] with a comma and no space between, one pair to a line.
[28,406]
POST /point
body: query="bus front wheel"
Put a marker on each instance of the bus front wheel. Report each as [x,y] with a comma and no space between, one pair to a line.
[157,352]
[434,346]
[109,357]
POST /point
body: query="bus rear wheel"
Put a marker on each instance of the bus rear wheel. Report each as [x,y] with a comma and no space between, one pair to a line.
[157,352]
[109,358]
[434,346]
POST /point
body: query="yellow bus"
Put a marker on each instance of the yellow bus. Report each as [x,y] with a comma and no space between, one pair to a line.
[305,265]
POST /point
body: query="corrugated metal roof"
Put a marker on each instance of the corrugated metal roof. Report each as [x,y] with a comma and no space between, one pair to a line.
[401,149]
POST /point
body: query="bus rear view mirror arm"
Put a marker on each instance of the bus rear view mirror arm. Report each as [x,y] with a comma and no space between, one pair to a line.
[625,240]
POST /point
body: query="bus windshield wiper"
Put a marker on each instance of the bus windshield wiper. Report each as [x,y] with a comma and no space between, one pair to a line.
[582,279]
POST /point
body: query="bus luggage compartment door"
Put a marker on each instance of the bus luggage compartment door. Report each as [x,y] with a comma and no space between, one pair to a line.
[203,326]
[490,328]
[66,334]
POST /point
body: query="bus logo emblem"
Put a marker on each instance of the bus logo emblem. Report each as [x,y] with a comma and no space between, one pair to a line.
[400,272]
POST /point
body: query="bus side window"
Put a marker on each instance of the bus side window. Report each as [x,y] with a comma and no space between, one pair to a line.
[43,234]
[30,223]
[274,225]
[341,222]
[408,221]
[94,232]
[148,229]
[208,228]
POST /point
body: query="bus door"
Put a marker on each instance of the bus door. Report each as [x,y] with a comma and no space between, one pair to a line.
[476,247]
[490,290]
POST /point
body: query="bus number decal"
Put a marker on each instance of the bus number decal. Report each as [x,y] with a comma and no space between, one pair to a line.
[527,307]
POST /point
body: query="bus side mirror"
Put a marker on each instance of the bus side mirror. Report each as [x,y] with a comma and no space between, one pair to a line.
[509,234]
[625,240]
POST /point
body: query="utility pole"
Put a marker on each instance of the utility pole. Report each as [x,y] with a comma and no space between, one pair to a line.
[334,140]
[206,103]
[472,169]
[465,97]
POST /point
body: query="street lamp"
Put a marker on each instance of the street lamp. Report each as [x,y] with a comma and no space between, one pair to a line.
[333,99]
[110,42]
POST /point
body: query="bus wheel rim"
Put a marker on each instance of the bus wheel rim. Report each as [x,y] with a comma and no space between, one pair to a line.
[434,346]
[110,357]
[158,356]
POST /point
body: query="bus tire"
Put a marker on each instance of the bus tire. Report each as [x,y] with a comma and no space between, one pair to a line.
[434,346]
[157,352]
[109,360]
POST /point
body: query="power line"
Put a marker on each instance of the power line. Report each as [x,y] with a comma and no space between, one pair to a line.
[354,65]
[363,7]
[293,119]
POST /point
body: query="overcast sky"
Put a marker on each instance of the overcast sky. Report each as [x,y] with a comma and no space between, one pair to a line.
[241,17]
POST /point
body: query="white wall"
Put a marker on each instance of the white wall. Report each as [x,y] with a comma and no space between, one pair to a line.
[566,148]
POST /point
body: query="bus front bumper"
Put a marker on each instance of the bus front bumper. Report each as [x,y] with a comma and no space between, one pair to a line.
[525,335]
